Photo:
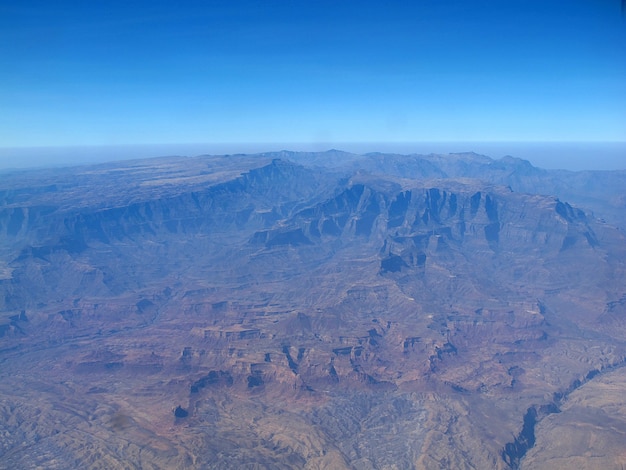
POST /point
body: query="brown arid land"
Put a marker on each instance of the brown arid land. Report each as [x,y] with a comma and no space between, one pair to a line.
[312,310]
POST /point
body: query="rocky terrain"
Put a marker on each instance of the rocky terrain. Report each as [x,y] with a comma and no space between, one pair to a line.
[312,310]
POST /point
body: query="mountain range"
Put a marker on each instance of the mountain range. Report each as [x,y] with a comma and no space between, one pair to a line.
[312,310]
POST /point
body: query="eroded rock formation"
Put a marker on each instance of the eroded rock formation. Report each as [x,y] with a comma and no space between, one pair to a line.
[303,311]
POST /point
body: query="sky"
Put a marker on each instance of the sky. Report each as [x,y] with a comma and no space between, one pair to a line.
[119,73]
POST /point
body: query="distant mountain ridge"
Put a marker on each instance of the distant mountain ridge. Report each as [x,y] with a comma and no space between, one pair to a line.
[599,191]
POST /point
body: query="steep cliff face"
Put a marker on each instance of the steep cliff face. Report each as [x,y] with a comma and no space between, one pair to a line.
[453,225]
[601,192]
[90,245]
[492,257]
[305,316]
[270,190]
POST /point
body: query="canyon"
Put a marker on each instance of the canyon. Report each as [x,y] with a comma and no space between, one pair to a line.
[312,310]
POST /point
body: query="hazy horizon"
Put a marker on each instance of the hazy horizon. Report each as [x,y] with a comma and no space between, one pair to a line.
[574,156]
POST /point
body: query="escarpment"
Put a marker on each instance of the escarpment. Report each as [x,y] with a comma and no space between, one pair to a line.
[322,309]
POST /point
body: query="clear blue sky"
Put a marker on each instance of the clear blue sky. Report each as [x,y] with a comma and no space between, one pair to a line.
[135,72]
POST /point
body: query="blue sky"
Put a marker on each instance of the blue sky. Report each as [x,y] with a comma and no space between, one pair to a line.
[137,72]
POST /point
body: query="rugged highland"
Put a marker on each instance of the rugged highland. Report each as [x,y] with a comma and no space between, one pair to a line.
[312,310]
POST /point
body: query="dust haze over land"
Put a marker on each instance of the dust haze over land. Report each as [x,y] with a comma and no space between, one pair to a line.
[574,156]
[312,310]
